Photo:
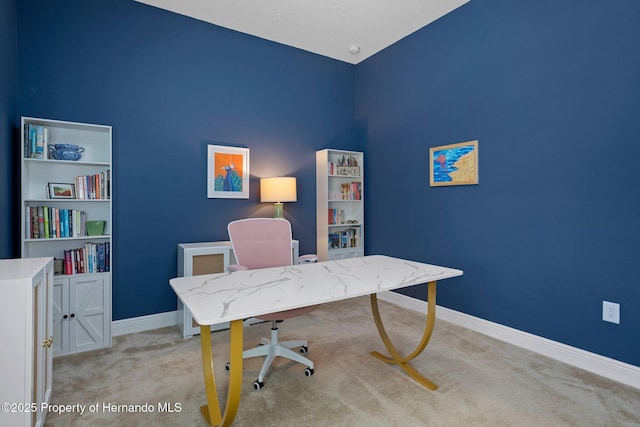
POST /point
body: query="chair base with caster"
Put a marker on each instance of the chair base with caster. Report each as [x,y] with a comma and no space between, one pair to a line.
[274,348]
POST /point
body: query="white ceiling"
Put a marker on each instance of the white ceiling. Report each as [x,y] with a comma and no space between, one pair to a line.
[325,27]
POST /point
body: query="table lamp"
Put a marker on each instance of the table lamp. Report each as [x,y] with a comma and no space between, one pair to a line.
[277,190]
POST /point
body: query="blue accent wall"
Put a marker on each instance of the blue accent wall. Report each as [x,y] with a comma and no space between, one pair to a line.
[552,92]
[170,85]
[550,89]
[8,156]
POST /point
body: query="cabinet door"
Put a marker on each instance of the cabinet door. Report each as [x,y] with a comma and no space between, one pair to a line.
[42,364]
[88,326]
[60,316]
[48,352]
[39,338]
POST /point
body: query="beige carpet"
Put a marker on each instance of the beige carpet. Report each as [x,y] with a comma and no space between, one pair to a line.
[482,381]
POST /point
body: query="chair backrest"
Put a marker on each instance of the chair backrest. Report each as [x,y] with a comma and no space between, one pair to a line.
[261,242]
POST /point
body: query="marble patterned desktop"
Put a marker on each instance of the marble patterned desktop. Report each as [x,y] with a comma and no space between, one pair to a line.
[222,297]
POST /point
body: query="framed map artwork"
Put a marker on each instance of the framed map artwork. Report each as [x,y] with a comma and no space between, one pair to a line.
[227,172]
[454,164]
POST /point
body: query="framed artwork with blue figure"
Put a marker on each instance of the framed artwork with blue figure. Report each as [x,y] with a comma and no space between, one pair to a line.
[227,172]
[454,164]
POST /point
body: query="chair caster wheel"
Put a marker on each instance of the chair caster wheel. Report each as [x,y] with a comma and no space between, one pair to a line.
[257,385]
[304,349]
[227,366]
[308,372]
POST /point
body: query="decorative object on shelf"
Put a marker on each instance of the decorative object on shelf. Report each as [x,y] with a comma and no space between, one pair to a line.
[227,172]
[277,190]
[454,164]
[95,228]
[348,170]
[61,191]
[58,266]
[65,152]
[345,166]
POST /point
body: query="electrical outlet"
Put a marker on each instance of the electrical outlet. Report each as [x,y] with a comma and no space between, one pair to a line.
[611,312]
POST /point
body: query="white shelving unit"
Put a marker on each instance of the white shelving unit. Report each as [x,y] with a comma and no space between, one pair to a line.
[89,274]
[339,204]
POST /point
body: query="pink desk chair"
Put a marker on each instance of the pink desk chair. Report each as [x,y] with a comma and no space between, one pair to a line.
[262,243]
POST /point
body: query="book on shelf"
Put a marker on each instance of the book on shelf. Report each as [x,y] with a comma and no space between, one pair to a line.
[94,186]
[36,141]
[337,217]
[88,259]
[55,215]
[45,222]
[351,190]
[40,214]
[349,238]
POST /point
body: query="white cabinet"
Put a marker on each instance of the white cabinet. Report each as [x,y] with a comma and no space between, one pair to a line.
[26,357]
[65,197]
[339,204]
[81,320]
[207,258]
[195,259]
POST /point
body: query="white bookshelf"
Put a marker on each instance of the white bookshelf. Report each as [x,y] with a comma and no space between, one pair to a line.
[339,204]
[78,324]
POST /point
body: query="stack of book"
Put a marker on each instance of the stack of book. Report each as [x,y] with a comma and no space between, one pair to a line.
[351,191]
[36,139]
[349,238]
[92,258]
[336,216]
[45,222]
[96,186]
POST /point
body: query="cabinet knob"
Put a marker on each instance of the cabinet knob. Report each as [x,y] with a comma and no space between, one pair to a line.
[47,343]
[73,315]
[65,316]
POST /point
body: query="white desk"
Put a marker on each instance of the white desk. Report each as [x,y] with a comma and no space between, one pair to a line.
[231,297]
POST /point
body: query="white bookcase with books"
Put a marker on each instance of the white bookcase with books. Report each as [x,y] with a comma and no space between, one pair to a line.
[339,204]
[66,204]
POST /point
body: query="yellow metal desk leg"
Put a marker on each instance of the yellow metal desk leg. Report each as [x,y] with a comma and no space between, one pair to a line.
[211,411]
[396,358]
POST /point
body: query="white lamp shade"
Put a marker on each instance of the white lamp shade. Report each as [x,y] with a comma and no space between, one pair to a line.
[278,189]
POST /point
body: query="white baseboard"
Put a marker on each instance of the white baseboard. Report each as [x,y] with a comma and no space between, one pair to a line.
[144,323]
[600,365]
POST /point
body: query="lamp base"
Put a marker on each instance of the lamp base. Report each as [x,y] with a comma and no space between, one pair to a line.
[278,211]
